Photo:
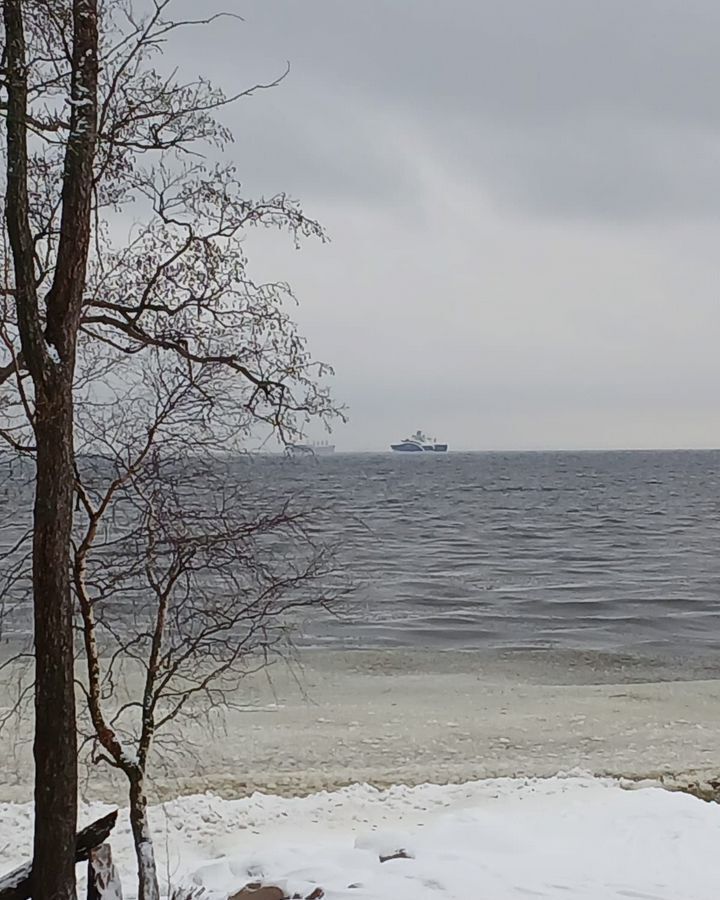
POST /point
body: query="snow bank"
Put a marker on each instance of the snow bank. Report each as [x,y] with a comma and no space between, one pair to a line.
[503,839]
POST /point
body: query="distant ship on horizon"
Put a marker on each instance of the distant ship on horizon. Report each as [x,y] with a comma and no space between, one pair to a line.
[419,443]
[318,448]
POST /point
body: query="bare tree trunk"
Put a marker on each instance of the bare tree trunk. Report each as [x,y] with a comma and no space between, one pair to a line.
[103,878]
[49,347]
[148,888]
[55,746]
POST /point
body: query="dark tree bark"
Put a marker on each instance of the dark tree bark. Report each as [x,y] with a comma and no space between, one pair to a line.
[55,747]
[49,347]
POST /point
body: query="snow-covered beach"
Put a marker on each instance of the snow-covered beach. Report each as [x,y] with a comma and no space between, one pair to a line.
[500,839]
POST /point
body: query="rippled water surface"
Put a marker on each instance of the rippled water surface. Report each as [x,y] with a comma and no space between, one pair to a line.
[613,551]
[616,551]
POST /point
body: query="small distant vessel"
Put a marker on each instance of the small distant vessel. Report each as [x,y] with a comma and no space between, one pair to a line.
[319,448]
[419,443]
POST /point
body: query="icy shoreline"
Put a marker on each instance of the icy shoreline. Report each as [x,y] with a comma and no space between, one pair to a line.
[391,717]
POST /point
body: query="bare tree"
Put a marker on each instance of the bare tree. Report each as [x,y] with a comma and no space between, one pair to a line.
[91,129]
[206,592]
[181,571]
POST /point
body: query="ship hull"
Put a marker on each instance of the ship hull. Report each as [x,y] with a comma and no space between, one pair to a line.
[416,448]
[406,448]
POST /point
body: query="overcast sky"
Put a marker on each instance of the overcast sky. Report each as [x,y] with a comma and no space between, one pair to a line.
[523,198]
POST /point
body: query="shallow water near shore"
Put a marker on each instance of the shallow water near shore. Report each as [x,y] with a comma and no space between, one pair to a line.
[332,718]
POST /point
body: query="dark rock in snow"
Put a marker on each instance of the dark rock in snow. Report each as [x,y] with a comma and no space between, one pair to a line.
[259,892]
[398,854]
[256,891]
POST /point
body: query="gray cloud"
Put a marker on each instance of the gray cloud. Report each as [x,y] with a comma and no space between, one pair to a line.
[574,105]
[600,168]
[523,199]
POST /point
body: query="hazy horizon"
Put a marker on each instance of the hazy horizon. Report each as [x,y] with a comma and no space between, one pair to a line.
[336,440]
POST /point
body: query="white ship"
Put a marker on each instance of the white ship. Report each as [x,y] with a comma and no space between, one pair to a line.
[419,443]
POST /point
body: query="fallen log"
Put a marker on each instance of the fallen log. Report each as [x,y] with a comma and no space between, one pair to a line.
[17,885]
